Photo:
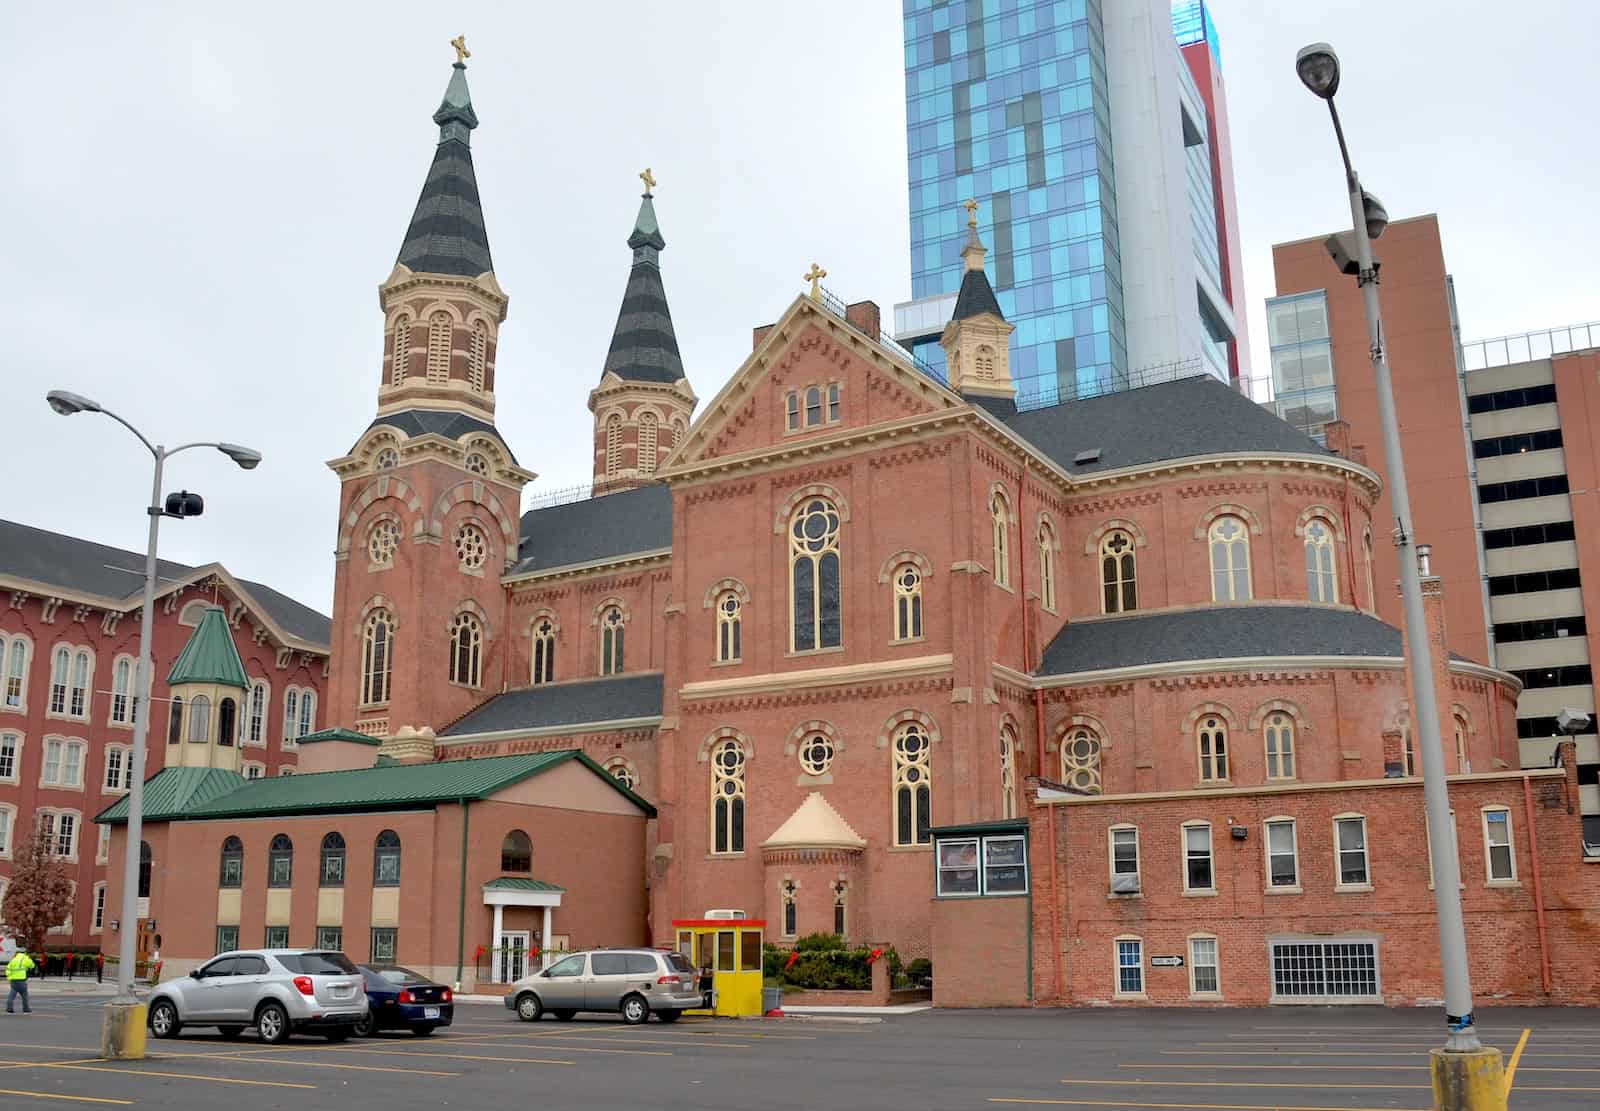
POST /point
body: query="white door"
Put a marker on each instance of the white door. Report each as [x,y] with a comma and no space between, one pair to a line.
[513,956]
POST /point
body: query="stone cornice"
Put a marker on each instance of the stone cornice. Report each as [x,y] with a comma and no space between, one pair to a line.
[402,280]
[813,678]
[633,561]
[578,729]
[1052,798]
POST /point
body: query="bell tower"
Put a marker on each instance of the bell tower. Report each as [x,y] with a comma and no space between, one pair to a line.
[643,403]
[430,492]
[208,690]
[977,341]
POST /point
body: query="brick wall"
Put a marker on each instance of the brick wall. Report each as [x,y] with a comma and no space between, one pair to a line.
[981,952]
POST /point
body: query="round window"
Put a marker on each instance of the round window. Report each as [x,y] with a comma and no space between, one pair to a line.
[816,754]
[477,464]
[382,541]
[388,458]
[472,547]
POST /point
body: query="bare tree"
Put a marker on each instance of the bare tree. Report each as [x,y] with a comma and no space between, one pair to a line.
[39,896]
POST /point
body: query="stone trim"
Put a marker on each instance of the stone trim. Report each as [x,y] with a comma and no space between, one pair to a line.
[1217,708]
[1076,721]
[377,602]
[470,605]
[785,514]
[1091,546]
[1329,517]
[385,486]
[913,667]
[1228,509]
[725,733]
[805,729]
[906,717]
[545,612]
[475,490]
[721,587]
[610,601]
[1279,705]
[921,562]
[1047,797]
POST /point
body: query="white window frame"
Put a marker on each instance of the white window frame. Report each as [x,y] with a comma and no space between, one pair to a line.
[1111,862]
[53,816]
[1284,755]
[61,783]
[1273,941]
[1117,966]
[1211,853]
[125,777]
[1510,846]
[102,846]
[245,716]
[1194,965]
[131,694]
[97,915]
[8,835]
[247,766]
[9,643]
[19,740]
[1294,888]
[1339,883]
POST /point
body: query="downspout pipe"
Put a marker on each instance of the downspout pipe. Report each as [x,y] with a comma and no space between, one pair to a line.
[461,910]
[1538,885]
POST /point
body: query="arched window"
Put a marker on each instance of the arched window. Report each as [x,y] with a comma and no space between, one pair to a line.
[516,853]
[121,686]
[291,714]
[388,459]
[386,859]
[1000,516]
[472,547]
[16,674]
[440,338]
[814,575]
[623,773]
[729,648]
[983,361]
[280,861]
[200,720]
[840,891]
[60,669]
[466,649]
[1212,737]
[790,915]
[147,867]
[1119,587]
[544,651]
[1463,761]
[308,713]
[727,797]
[175,720]
[1322,581]
[907,602]
[816,754]
[256,723]
[792,408]
[377,651]
[1008,771]
[680,431]
[401,354]
[647,443]
[1047,566]
[613,443]
[476,463]
[331,873]
[612,627]
[232,863]
[913,787]
[1230,560]
[1408,748]
[1372,583]
[1080,759]
[227,717]
[478,357]
[813,406]
[1279,735]
[79,702]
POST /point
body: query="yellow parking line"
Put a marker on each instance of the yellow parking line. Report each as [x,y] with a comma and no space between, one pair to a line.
[1332,1068]
[327,1065]
[1511,1069]
[57,1095]
[1236,1084]
[468,1056]
[1179,1106]
[176,1075]
[590,1038]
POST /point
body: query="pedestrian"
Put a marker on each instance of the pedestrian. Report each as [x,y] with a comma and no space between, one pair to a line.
[17,970]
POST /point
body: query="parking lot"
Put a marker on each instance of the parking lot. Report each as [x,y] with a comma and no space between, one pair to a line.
[1301,1059]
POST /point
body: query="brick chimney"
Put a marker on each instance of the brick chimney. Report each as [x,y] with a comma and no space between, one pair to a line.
[865,316]
[1394,757]
[759,333]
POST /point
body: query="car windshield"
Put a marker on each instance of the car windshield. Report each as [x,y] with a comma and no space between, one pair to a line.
[317,964]
[398,975]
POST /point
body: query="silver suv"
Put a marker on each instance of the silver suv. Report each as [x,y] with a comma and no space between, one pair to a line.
[278,991]
[629,982]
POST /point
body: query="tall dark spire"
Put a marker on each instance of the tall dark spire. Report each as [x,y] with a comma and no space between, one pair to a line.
[644,348]
[976,295]
[447,235]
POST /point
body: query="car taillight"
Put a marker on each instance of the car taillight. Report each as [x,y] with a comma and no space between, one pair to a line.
[448,995]
[674,980]
[407,997]
[303,985]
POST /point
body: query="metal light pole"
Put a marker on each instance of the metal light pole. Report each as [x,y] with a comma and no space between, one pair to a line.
[66,404]
[1318,67]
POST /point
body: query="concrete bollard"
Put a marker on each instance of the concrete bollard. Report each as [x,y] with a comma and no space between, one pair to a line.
[123,1031]
[1468,1081]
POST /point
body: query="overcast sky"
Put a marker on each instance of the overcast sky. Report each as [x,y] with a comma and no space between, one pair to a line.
[200,201]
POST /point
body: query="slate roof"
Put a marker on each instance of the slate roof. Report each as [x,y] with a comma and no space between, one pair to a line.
[438,422]
[1217,632]
[637,520]
[116,574]
[172,791]
[644,347]
[583,701]
[976,296]
[392,787]
[446,234]
[210,656]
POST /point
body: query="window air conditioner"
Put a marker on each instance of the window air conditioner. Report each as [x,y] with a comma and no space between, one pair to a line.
[1125,885]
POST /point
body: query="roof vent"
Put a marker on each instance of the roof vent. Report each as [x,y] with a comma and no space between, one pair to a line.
[1085,457]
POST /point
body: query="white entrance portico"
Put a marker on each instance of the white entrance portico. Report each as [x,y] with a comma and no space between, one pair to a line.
[516,891]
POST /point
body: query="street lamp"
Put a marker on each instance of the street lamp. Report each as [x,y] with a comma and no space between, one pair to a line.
[1318,67]
[125,1011]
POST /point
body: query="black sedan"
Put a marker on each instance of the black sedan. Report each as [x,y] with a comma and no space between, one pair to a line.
[401,999]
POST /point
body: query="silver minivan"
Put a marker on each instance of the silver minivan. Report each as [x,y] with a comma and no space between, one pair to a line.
[278,991]
[629,982]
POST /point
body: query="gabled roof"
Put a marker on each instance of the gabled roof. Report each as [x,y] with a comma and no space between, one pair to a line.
[1171,420]
[337,734]
[210,656]
[614,525]
[116,576]
[446,234]
[1235,631]
[438,422]
[644,347]
[554,705]
[815,824]
[172,791]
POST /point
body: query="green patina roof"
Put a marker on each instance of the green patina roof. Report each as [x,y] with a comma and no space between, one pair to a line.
[336,734]
[518,883]
[999,825]
[172,792]
[391,787]
[210,656]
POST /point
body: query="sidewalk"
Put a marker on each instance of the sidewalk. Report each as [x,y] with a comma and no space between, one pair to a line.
[56,986]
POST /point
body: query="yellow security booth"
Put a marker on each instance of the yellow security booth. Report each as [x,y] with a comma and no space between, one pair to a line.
[731,949]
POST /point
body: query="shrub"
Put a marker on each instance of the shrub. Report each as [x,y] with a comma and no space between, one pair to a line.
[920,970]
[820,943]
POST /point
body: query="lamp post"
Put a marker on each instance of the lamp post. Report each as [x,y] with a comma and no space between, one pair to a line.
[125,1008]
[1318,67]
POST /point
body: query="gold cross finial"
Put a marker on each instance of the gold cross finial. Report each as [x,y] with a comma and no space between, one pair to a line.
[462,53]
[972,213]
[815,275]
[649,180]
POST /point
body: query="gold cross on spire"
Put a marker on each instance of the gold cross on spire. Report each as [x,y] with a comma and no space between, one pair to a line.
[649,180]
[815,275]
[462,53]
[972,213]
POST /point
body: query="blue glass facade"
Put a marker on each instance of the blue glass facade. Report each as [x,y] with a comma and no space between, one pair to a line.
[1006,103]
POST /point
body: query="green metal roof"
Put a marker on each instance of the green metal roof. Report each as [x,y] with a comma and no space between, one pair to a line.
[337,734]
[210,656]
[172,792]
[519,883]
[999,825]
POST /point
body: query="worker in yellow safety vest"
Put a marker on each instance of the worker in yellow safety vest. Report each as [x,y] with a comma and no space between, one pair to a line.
[17,970]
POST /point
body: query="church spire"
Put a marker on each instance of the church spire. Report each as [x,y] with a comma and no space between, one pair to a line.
[446,235]
[977,340]
[644,347]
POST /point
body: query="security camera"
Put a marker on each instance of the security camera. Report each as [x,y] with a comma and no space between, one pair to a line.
[1571,721]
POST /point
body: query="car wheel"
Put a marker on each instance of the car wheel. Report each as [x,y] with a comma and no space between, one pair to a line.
[230,1032]
[272,1023]
[635,1010]
[669,1016]
[422,1031]
[366,1026]
[529,1009]
[564,1015]
[164,1019]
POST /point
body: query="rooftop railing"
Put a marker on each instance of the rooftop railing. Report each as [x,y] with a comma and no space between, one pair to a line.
[1155,374]
[1505,350]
